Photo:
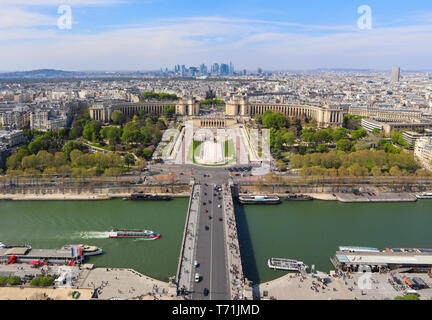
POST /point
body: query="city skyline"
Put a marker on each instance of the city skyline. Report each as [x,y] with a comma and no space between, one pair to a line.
[137,35]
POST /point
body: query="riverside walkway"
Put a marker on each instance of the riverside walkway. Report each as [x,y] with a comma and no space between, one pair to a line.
[237,282]
[185,266]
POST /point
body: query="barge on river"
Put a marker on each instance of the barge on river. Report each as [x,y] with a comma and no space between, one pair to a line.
[259,200]
[70,254]
[424,195]
[286,264]
[148,197]
[298,197]
[133,234]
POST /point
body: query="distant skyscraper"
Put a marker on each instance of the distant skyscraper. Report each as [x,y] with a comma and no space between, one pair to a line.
[395,74]
[224,70]
[215,69]
[203,69]
[231,69]
[260,71]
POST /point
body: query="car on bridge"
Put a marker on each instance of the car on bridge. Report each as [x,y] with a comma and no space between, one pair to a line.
[197,277]
[205,292]
[206,227]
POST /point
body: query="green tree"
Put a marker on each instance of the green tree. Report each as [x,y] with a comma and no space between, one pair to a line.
[74,133]
[29,162]
[376,171]
[322,148]
[113,172]
[50,172]
[281,165]
[395,171]
[274,120]
[339,134]
[129,160]
[60,159]
[14,281]
[73,145]
[64,171]
[113,134]
[117,117]
[358,134]
[258,118]
[147,153]
[13,163]
[131,132]
[344,145]
[91,131]
[44,160]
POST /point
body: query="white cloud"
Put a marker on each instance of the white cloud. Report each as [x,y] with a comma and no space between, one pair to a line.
[15,17]
[193,41]
[59,2]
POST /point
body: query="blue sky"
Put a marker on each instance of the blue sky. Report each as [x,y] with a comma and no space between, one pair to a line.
[272,34]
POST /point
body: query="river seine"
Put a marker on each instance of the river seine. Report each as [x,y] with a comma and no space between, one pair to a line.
[52,224]
[309,231]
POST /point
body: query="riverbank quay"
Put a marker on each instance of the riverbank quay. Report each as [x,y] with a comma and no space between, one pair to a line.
[294,184]
[80,196]
[99,283]
[360,198]
[341,286]
[377,197]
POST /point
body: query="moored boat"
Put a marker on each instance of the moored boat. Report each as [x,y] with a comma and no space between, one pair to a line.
[298,197]
[133,234]
[148,197]
[424,195]
[286,264]
[85,249]
[259,199]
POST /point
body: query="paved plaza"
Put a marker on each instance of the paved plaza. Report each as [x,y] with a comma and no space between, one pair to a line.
[125,284]
[341,286]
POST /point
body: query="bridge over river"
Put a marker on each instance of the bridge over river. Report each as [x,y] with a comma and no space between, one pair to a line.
[210,239]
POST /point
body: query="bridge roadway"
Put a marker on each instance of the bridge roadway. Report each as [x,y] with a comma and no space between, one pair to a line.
[210,248]
[206,240]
